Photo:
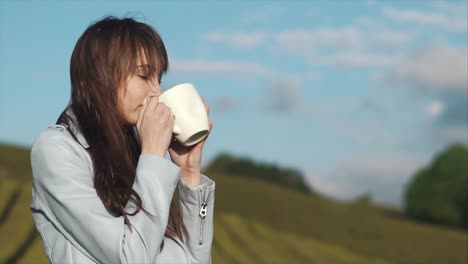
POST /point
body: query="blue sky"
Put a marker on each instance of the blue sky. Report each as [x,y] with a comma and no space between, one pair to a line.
[358,95]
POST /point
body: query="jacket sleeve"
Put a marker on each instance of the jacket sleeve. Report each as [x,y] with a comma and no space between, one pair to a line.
[62,180]
[196,206]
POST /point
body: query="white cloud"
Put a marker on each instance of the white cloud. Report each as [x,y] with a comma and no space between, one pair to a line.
[284,96]
[261,15]
[287,96]
[393,38]
[227,103]
[346,46]
[368,133]
[452,23]
[229,68]
[239,40]
[382,175]
[357,59]
[437,72]
[452,133]
[452,8]
[328,187]
[437,137]
[368,22]
[413,16]
[308,41]
[387,166]
[437,66]
[301,41]
[434,109]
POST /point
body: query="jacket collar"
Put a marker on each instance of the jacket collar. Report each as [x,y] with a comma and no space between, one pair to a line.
[74,127]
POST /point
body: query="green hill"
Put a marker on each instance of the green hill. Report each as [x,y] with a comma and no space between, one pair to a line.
[259,222]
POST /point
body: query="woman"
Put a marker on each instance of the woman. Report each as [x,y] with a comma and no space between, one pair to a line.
[102,190]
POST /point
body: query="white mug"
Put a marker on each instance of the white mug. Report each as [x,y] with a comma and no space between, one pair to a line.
[191,119]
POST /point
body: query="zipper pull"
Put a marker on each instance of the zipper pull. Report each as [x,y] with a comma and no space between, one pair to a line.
[203,210]
[204,204]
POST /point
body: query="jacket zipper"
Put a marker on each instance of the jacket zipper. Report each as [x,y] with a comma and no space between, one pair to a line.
[203,212]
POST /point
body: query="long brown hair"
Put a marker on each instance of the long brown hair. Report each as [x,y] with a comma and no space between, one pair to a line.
[102,60]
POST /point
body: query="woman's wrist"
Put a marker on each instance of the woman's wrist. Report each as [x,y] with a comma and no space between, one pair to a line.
[191,178]
[153,152]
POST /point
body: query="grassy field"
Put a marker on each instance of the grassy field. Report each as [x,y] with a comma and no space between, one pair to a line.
[258,222]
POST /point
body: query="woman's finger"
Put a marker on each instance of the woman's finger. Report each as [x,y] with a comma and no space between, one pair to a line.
[202,143]
[167,113]
[141,112]
[153,102]
[207,107]
[210,124]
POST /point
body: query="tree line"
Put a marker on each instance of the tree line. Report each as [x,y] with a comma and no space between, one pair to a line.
[245,167]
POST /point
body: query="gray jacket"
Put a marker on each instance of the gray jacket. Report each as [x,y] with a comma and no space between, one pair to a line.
[76,227]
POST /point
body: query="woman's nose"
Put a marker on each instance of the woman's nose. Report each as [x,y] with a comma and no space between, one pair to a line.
[155,90]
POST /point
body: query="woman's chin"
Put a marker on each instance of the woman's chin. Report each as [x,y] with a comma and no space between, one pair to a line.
[131,121]
[132,118]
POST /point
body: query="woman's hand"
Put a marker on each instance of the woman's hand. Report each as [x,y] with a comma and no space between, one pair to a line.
[155,123]
[189,158]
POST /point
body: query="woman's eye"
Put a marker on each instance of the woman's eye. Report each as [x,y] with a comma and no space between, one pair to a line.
[143,77]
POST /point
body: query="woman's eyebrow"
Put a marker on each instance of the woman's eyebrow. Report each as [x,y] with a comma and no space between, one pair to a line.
[144,65]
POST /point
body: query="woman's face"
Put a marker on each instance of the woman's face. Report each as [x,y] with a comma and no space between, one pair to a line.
[139,87]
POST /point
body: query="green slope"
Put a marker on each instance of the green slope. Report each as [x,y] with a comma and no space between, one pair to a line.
[365,231]
[14,162]
[258,222]
[239,240]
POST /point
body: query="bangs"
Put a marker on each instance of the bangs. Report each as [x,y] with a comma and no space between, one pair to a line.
[152,47]
[129,42]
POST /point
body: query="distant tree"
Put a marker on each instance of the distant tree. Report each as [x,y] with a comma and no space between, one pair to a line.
[439,192]
[364,199]
[246,167]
